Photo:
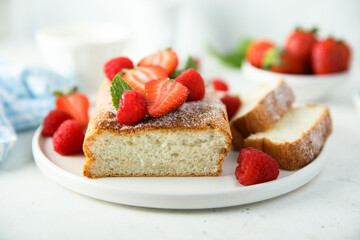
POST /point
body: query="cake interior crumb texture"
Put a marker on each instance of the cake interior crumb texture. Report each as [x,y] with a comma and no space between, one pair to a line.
[293,124]
[158,153]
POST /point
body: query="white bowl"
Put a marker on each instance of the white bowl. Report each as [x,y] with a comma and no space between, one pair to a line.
[307,88]
[82,49]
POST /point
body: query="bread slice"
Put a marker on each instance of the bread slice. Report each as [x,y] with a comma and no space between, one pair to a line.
[191,141]
[297,138]
[261,109]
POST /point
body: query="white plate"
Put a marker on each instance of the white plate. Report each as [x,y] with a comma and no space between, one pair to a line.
[167,192]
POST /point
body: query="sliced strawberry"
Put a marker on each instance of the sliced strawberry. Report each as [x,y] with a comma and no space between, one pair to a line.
[139,76]
[194,82]
[164,96]
[76,104]
[115,65]
[166,59]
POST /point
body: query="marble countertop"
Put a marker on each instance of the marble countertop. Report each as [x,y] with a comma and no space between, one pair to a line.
[34,207]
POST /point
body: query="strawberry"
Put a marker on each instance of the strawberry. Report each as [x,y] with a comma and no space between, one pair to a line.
[256,51]
[299,44]
[137,77]
[220,84]
[68,138]
[132,107]
[116,65]
[232,104]
[330,56]
[281,61]
[255,167]
[74,103]
[166,59]
[194,83]
[164,96]
[53,120]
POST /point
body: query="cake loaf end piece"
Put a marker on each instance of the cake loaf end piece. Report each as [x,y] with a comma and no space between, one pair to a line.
[191,141]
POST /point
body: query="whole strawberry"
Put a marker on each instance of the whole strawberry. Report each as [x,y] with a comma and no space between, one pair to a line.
[166,59]
[255,167]
[300,43]
[330,56]
[53,120]
[68,138]
[281,61]
[194,83]
[74,103]
[232,104]
[256,51]
[116,65]
[132,107]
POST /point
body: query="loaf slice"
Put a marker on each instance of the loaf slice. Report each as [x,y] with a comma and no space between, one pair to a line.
[191,141]
[297,138]
[261,109]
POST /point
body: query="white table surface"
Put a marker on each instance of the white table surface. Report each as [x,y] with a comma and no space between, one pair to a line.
[34,207]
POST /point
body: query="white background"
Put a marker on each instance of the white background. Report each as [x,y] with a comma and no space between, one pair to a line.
[200,22]
[34,207]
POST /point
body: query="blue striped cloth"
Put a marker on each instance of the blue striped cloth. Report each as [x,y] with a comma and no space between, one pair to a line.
[25,98]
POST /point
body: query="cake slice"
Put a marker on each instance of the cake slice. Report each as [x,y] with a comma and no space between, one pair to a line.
[191,141]
[297,138]
[261,109]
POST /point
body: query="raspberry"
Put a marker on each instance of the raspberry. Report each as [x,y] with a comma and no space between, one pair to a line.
[69,138]
[255,167]
[53,120]
[132,107]
[116,65]
[232,104]
[220,84]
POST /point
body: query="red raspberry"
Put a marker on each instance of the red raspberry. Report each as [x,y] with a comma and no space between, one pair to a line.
[53,120]
[255,167]
[232,104]
[132,107]
[115,65]
[69,138]
[220,84]
[194,83]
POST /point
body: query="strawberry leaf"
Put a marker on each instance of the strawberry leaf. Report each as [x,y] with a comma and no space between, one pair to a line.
[118,87]
[190,63]
[272,57]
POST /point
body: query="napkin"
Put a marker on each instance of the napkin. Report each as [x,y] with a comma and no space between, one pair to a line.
[25,98]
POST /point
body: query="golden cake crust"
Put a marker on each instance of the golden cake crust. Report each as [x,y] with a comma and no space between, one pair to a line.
[268,111]
[302,151]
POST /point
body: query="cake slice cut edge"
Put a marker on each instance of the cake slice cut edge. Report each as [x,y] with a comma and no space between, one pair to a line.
[297,138]
[261,109]
[191,141]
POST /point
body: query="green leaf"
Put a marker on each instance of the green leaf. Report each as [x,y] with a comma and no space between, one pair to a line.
[272,57]
[190,63]
[118,87]
[233,58]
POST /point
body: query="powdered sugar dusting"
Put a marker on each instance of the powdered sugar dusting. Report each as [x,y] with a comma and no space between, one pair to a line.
[207,113]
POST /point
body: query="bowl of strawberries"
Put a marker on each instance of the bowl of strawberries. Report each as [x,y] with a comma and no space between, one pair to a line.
[313,67]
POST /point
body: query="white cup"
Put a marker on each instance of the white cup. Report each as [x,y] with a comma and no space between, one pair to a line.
[82,49]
